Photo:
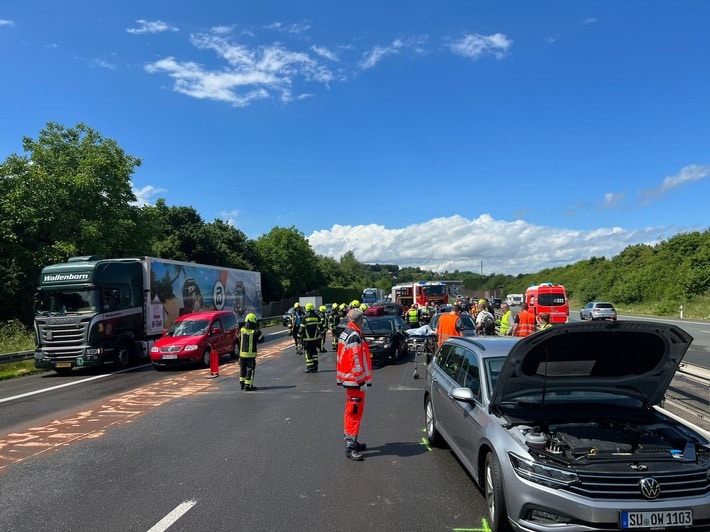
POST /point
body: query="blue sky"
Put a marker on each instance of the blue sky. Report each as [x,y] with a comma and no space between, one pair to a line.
[486,136]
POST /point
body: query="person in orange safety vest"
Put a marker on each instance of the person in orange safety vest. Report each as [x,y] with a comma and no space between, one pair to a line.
[354,373]
[524,322]
[449,324]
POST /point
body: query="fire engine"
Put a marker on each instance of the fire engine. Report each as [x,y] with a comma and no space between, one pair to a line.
[421,293]
[548,297]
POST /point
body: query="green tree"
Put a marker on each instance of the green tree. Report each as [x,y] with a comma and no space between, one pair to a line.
[289,263]
[69,194]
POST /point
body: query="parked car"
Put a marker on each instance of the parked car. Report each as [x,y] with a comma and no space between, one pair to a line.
[191,338]
[286,318]
[496,302]
[389,307]
[385,335]
[561,430]
[597,310]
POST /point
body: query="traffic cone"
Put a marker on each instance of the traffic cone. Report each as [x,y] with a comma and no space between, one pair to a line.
[214,363]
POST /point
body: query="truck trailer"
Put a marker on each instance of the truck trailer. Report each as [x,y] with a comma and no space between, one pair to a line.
[92,312]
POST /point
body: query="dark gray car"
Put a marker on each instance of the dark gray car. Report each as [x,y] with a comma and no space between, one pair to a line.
[562,432]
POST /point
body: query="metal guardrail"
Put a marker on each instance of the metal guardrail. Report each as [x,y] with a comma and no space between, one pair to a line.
[16,357]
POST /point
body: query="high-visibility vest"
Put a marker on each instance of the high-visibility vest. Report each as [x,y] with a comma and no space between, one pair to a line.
[413,315]
[354,364]
[506,323]
[446,328]
[248,340]
[526,323]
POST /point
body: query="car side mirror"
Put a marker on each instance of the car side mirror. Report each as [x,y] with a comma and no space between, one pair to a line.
[465,395]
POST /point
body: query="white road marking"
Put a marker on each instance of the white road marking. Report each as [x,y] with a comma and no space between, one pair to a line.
[65,385]
[170,519]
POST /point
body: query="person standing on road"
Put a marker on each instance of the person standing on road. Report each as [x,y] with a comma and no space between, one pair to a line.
[295,326]
[413,316]
[524,322]
[485,321]
[545,321]
[310,336]
[333,321]
[249,336]
[449,324]
[354,373]
[506,320]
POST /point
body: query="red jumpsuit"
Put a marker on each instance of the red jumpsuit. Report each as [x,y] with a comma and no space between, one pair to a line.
[354,372]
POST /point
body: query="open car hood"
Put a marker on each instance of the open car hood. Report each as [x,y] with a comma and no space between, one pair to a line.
[635,358]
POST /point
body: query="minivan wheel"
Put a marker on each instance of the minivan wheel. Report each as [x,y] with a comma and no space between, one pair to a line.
[493,493]
[206,358]
[432,435]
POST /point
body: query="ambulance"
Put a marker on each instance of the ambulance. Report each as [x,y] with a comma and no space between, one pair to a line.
[548,297]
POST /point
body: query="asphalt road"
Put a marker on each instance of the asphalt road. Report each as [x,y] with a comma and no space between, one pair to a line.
[199,454]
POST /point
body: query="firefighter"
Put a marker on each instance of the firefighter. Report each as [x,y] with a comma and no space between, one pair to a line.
[333,321]
[310,336]
[249,336]
[354,373]
[323,316]
[295,326]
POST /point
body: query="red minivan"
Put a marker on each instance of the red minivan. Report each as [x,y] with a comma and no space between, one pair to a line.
[191,338]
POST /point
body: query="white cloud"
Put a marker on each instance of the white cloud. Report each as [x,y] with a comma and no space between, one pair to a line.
[6,22]
[687,174]
[296,28]
[475,45]
[457,243]
[143,195]
[251,74]
[373,56]
[324,53]
[148,26]
[612,200]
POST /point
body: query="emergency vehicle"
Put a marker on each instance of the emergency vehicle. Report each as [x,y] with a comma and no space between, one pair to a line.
[548,297]
[421,293]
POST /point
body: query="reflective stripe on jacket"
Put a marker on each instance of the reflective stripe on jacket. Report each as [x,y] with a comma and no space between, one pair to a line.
[413,315]
[248,339]
[310,327]
[354,363]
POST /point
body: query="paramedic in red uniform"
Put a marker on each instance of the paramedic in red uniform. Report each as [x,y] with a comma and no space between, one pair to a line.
[354,373]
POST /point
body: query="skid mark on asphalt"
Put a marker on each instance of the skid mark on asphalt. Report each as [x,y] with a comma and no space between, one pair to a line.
[94,420]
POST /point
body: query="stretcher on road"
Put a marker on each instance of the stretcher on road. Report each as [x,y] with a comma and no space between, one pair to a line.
[421,342]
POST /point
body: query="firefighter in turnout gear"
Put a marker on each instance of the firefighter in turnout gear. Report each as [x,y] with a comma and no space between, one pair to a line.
[333,320]
[323,315]
[249,336]
[310,336]
[295,326]
[354,373]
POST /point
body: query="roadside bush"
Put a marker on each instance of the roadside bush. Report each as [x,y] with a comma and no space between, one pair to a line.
[14,337]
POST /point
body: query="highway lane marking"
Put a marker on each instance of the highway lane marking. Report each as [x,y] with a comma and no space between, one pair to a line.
[170,519]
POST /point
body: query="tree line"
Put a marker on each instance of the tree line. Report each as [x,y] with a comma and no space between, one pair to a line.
[70,194]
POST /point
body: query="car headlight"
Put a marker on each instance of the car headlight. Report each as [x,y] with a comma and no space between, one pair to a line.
[155,349]
[553,477]
[191,347]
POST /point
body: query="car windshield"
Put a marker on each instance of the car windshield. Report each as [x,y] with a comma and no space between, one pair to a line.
[188,328]
[379,325]
[493,367]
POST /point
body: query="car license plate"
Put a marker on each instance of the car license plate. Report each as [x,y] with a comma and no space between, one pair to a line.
[169,357]
[63,365]
[666,518]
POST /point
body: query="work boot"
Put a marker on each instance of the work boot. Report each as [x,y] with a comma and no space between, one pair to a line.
[360,446]
[250,388]
[351,450]
[241,385]
[308,370]
[315,367]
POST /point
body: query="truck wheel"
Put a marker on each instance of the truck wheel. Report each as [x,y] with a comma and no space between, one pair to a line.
[123,357]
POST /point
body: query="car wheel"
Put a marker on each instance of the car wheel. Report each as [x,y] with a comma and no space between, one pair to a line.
[581,316]
[493,493]
[206,358]
[234,353]
[432,435]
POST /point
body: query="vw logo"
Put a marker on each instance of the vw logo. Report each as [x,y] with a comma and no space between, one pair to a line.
[650,488]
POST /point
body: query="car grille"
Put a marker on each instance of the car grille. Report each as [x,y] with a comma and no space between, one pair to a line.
[171,349]
[627,487]
[62,337]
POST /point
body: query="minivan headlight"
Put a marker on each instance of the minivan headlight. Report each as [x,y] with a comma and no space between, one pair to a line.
[553,477]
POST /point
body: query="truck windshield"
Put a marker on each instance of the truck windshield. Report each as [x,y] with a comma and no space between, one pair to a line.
[49,302]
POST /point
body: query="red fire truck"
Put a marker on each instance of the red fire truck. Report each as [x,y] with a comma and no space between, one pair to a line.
[421,293]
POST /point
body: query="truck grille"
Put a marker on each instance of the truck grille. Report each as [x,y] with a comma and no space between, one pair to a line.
[63,336]
[673,485]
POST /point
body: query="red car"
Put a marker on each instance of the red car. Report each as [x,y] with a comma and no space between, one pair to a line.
[191,338]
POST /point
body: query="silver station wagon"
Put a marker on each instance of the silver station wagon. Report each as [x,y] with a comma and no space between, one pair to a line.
[561,432]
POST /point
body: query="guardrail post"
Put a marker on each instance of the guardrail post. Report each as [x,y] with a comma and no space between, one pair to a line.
[681,312]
